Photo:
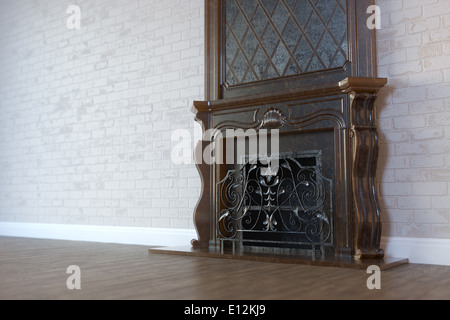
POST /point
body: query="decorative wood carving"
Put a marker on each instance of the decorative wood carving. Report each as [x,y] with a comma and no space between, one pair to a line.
[306,68]
[272,119]
[364,144]
[358,226]
[203,211]
[202,220]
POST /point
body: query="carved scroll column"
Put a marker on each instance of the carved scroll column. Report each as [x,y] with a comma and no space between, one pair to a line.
[204,212]
[364,158]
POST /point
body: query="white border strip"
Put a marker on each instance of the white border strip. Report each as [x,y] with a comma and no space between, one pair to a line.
[417,250]
[106,234]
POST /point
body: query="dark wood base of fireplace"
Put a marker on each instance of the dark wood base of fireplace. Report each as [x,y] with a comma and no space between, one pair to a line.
[363,264]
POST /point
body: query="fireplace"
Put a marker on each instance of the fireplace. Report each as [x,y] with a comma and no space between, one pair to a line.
[305,72]
[306,69]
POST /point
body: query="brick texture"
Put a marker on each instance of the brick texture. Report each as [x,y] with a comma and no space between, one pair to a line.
[87,115]
[414,109]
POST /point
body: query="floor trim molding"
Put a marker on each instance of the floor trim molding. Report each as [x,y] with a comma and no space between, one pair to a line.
[106,234]
[417,250]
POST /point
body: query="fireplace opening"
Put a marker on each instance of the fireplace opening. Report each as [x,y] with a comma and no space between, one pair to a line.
[289,209]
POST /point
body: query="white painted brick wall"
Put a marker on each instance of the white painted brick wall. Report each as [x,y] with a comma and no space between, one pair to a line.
[87,115]
[414,169]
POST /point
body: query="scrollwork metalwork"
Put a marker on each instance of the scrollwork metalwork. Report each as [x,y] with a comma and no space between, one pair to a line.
[293,206]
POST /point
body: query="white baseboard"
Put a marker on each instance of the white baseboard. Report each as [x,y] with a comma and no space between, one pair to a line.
[417,250]
[106,234]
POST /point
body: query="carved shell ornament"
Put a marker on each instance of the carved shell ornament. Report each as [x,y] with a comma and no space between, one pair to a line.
[273,119]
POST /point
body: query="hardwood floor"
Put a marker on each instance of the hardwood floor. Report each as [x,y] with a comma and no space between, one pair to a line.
[36,269]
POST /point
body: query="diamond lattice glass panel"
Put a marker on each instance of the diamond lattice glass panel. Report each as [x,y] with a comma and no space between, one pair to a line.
[268,39]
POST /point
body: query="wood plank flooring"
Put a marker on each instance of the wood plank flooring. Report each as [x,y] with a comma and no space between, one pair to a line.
[36,269]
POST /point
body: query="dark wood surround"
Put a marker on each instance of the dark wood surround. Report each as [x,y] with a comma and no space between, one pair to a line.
[360,49]
[302,95]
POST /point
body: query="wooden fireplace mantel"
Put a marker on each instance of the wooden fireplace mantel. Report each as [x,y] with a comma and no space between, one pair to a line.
[354,85]
[308,70]
[357,148]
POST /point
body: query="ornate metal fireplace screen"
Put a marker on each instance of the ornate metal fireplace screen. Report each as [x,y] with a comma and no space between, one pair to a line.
[292,209]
